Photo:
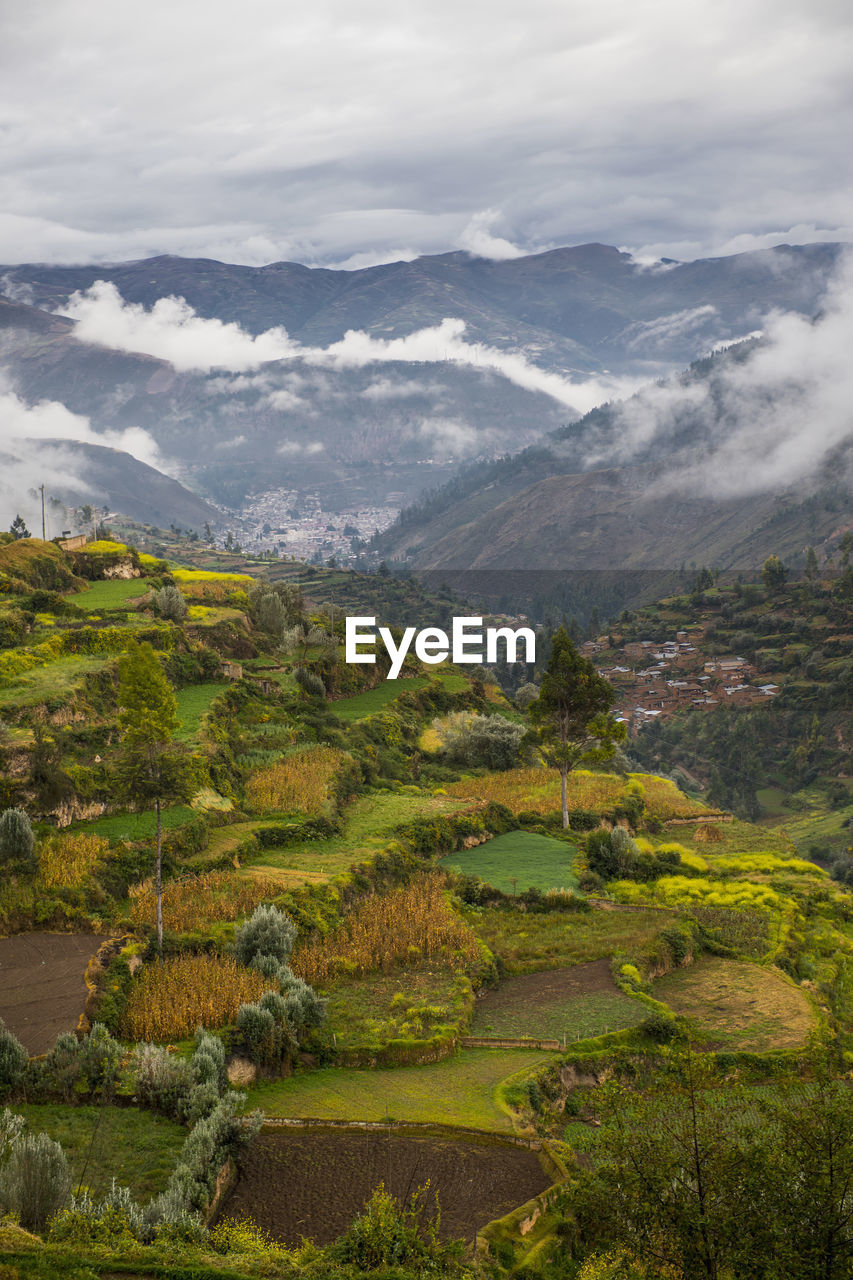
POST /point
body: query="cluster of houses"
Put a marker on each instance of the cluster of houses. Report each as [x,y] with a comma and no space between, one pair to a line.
[653,680]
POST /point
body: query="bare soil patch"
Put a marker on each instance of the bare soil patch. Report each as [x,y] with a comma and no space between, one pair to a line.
[737,1005]
[312,1182]
[576,1002]
[42,990]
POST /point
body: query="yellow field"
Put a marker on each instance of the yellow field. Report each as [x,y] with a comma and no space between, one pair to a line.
[538,790]
[191,903]
[169,1001]
[298,783]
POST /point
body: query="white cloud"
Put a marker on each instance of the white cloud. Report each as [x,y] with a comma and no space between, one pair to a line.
[171,330]
[477,238]
[765,422]
[50,420]
[32,447]
[331,132]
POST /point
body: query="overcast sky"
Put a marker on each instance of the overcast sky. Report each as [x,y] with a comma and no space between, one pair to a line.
[357,131]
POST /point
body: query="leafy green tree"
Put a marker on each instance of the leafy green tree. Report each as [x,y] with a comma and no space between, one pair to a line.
[151,769]
[17,842]
[19,529]
[570,718]
[773,573]
[812,569]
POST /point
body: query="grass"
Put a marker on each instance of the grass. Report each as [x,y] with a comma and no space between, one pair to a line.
[554,939]
[111,593]
[373,700]
[53,683]
[368,826]
[375,1010]
[517,861]
[463,1090]
[193,704]
[737,1005]
[574,1018]
[135,1147]
[137,826]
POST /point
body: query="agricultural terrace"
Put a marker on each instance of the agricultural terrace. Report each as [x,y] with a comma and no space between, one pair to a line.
[43,990]
[301,782]
[538,791]
[193,705]
[734,1005]
[215,588]
[467,1090]
[136,1148]
[170,999]
[556,939]
[559,1004]
[112,593]
[310,1183]
[519,860]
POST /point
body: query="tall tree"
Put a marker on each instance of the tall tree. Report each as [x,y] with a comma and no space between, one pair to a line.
[571,717]
[19,528]
[152,769]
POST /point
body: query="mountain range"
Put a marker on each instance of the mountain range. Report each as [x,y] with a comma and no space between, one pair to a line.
[494,422]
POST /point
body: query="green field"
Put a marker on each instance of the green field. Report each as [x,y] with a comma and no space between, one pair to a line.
[111,593]
[461,1090]
[564,1004]
[373,700]
[45,684]
[137,826]
[368,825]
[137,1148]
[550,940]
[376,1009]
[193,703]
[517,861]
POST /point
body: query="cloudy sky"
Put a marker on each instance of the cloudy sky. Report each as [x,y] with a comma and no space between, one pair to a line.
[357,131]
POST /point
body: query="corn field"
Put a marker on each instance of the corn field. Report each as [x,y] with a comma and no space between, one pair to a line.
[301,782]
[403,926]
[169,1001]
[538,791]
[195,901]
[67,859]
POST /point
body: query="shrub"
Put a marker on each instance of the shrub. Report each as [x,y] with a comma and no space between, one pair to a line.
[170,604]
[13,1061]
[268,932]
[35,1180]
[17,841]
[490,741]
[160,1080]
[388,1233]
[660,1027]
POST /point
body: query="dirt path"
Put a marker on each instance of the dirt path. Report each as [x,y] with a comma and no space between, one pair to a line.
[42,991]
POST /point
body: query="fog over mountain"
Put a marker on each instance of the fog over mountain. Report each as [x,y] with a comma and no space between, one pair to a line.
[374,385]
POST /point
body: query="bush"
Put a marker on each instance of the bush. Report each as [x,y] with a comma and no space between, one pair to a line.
[267,932]
[388,1233]
[17,842]
[489,741]
[170,604]
[35,1180]
[660,1027]
[13,1061]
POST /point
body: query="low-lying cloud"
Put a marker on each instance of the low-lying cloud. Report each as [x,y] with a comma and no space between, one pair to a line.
[33,453]
[761,423]
[172,330]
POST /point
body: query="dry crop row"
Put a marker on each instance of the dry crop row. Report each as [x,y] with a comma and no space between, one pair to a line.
[200,900]
[301,782]
[169,1001]
[403,926]
[67,859]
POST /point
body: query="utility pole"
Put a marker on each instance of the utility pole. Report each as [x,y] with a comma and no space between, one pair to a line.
[43,529]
